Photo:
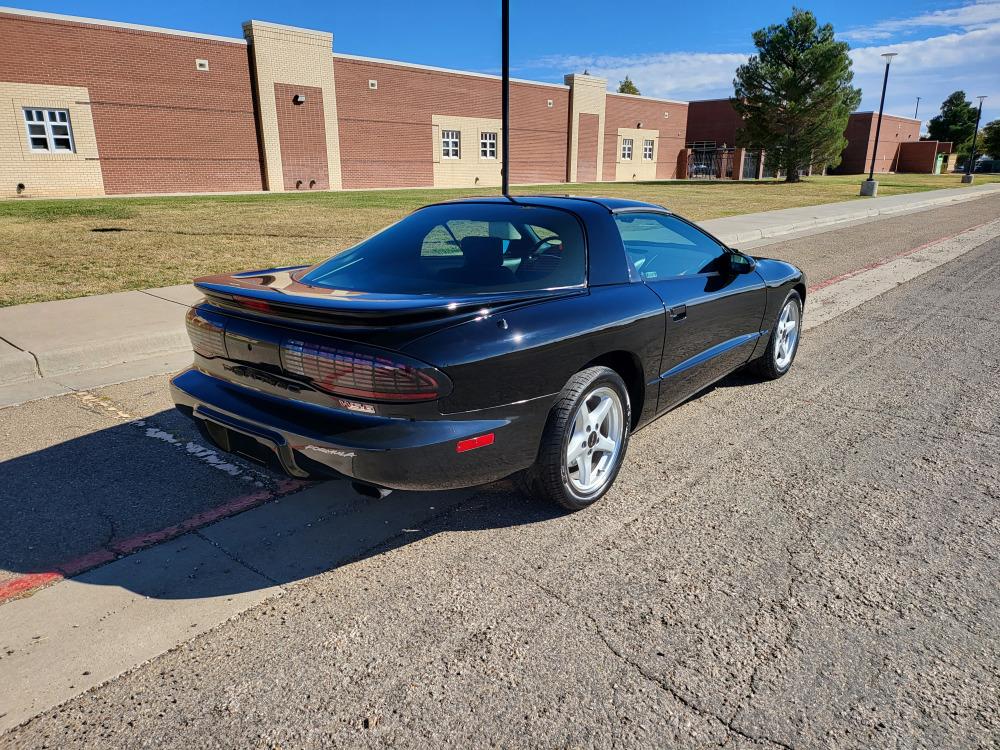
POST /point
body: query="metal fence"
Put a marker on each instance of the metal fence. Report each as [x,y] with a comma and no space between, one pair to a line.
[710,165]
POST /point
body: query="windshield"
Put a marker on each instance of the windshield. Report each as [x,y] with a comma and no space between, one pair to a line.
[461,248]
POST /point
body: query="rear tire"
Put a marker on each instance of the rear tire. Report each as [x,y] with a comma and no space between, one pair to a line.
[784,343]
[584,441]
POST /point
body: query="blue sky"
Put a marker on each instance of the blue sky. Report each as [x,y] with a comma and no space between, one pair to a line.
[671,50]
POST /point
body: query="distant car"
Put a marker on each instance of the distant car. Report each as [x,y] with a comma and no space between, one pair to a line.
[480,339]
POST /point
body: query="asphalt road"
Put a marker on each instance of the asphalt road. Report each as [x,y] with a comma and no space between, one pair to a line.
[805,563]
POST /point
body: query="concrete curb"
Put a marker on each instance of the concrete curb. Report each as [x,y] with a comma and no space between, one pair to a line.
[753,227]
[50,343]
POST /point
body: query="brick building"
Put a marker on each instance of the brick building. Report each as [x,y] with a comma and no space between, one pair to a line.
[91,107]
[714,124]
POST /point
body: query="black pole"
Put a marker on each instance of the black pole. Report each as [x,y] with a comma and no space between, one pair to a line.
[505,98]
[972,156]
[878,125]
[916,109]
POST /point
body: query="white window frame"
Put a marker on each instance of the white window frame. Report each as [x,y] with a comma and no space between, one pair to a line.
[488,144]
[451,144]
[627,144]
[647,149]
[46,118]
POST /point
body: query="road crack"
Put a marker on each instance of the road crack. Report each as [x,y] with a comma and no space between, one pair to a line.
[659,682]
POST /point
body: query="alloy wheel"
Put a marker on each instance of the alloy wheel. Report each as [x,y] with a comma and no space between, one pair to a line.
[594,445]
[787,331]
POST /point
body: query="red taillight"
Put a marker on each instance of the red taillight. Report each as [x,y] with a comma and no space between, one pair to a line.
[207,338]
[379,377]
[472,443]
[253,304]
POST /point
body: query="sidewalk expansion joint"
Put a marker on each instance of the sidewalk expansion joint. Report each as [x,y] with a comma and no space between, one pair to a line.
[238,560]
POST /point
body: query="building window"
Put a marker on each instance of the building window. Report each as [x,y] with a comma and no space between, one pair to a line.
[626,149]
[201,65]
[488,145]
[451,141]
[49,130]
[647,150]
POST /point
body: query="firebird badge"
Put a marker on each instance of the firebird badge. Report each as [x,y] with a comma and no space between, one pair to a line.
[356,406]
[331,451]
[263,377]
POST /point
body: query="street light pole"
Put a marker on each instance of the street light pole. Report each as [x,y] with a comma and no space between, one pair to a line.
[970,165]
[505,98]
[869,187]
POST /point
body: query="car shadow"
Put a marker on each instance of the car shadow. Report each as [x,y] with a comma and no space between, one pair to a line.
[153,479]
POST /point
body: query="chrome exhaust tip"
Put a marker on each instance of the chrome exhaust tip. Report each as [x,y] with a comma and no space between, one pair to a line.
[370,490]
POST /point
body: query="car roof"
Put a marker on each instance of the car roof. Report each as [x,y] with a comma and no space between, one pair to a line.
[570,202]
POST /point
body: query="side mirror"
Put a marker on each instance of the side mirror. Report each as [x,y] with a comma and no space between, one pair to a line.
[740,263]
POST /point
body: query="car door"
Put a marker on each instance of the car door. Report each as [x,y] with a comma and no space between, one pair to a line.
[713,313]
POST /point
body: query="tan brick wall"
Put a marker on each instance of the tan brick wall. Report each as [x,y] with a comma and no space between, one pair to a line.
[47,174]
[388,135]
[664,121]
[637,168]
[589,96]
[160,124]
[287,55]
[471,169]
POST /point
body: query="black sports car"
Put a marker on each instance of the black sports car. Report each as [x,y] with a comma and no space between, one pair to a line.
[483,338]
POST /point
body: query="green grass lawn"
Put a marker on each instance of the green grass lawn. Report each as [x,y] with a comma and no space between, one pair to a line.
[53,249]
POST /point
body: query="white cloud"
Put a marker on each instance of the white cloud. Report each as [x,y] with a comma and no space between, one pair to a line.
[667,75]
[968,17]
[930,68]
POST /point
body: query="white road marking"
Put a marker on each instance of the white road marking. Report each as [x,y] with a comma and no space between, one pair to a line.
[827,303]
[194,449]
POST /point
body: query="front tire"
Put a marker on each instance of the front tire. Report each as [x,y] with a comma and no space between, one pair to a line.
[784,343]
[584,441]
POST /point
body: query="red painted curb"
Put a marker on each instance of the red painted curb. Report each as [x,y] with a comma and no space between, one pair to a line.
[30,582]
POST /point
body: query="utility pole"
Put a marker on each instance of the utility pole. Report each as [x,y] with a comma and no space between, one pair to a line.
[505,98]
[869,187]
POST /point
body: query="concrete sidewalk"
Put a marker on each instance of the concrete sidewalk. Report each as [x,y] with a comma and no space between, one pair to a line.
[48,348]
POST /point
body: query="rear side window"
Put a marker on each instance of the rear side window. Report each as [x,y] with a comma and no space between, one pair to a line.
[463,249]
[662,246]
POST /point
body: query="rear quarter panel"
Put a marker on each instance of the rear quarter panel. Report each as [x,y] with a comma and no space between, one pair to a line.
[533,351]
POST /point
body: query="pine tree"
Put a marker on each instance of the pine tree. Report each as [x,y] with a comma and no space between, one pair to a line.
[795,95]
[956,122]
[627,87]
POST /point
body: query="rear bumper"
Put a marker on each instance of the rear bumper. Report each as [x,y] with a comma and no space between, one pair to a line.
[309,440]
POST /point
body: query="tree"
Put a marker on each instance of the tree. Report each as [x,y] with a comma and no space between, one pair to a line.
[957,120]
[795,95]
[627,87]
[990,139]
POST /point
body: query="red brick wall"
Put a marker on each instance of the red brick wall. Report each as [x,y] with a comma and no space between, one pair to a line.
[860,134]
[713,120]
[586,152]
[302,136]
[386,136]
[161,125]
[917,156]
[628,112]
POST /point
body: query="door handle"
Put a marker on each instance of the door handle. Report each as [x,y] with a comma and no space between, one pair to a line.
[678,312]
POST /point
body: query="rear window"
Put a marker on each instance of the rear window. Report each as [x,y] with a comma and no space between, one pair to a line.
[463,249]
